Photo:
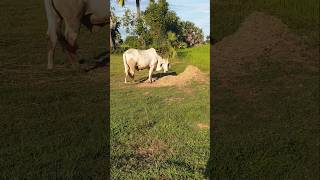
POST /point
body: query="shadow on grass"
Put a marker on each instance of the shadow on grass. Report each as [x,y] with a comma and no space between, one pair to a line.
[157,76]
[103,59]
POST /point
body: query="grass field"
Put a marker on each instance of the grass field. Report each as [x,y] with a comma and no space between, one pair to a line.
[197,56]
[53,123]
[271,129]
[155,131]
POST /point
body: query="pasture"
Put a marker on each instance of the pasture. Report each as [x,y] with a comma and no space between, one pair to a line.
[159,132]
[265,106]
[53,123]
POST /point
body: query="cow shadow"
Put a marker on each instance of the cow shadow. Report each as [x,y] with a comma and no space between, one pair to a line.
[157,76]
[102,60]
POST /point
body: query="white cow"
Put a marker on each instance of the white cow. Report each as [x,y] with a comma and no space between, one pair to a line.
[143,59]
[91,13]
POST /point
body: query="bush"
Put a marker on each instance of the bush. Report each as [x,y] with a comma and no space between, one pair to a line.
[132,42]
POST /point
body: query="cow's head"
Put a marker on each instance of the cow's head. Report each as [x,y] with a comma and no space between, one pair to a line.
[164,64]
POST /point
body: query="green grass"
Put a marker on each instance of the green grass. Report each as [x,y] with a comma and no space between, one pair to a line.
[267,122]
[301,16]
[269,130]
[154,132]
[197,56]
[53,123]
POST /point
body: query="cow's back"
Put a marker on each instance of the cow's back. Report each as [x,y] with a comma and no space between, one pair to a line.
[143,58]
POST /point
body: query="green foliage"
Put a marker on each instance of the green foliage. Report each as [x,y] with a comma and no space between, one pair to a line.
[128,22]
[114,30]
[162,29]
[191,33]
[132,41]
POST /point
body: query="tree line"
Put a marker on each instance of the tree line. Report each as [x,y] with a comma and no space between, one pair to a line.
[157,27]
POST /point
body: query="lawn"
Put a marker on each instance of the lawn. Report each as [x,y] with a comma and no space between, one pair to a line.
[53,123]
[156,132]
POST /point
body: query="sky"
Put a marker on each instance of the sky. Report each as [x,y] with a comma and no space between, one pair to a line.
[197,11]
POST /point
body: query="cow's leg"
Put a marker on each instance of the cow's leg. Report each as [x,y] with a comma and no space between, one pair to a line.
[150,73]
[131,65]
[126,71]
[54,29]
[71,34]
[52,43]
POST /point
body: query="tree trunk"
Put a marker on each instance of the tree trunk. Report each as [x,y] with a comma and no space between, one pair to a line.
[138,8]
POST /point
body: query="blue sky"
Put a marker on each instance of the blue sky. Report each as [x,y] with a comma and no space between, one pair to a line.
[197,11]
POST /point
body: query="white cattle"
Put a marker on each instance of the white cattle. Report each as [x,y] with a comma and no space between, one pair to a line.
[143,59]
[91,13]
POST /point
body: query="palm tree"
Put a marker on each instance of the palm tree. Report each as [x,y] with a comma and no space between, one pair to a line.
[122,2]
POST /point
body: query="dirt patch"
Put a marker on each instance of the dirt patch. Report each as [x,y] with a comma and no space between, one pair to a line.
[259,36]
[189,74]
[172,100]
[203,126]
[157,147]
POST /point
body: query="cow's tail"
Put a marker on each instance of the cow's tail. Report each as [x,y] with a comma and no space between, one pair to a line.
[127,68]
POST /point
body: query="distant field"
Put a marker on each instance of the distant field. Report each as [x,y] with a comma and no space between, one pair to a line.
[159,132]
[53,123]
[301,16]
[197,56]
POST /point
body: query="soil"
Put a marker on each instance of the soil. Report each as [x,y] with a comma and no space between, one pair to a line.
[203,126]
[190,73]
[259,36]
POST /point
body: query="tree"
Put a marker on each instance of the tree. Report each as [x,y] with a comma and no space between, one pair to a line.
[192,34]
[122,3]
[160,28]
[115,37]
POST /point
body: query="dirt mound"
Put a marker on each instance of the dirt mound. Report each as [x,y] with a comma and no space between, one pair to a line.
[190,73]
[203,126]
[259,36]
